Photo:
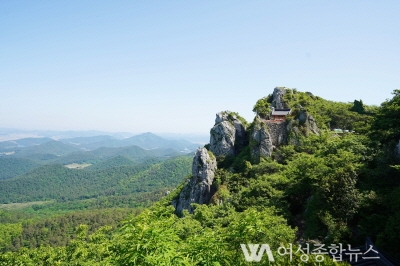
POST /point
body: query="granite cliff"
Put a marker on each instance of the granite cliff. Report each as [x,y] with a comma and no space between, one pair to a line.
[228,135]
[198,188]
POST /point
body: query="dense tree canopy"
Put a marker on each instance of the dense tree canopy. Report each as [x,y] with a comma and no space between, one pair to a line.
[387,121]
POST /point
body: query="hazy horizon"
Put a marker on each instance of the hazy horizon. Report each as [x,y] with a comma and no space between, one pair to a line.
[162,66]
[9,134]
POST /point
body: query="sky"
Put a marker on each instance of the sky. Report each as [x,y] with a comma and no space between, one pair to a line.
[170,66]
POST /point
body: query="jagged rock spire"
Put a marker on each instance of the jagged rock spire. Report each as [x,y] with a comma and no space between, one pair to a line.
[277,98]
[198,188]
[228,134]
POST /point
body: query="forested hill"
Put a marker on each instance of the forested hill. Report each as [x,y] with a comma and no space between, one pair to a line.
[306,172]
[57,182]
[11,167]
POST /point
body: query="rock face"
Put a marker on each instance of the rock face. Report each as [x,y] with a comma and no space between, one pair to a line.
[308,120]
[265,137]
[277,98]
[198,188]
[277,130]
[304,124]
[228,134]
[261,143]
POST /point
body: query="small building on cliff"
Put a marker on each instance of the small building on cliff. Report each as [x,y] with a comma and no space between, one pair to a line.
[280,114]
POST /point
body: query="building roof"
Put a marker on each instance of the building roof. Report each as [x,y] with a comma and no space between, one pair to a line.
[281,111]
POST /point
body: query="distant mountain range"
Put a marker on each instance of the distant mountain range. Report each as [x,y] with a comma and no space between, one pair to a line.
[147,141]
[18,157]
[46,145]
[90,166]
[14,134]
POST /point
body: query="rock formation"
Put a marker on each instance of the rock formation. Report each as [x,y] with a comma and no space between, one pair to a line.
[308,120]
[303,124]
[198,188]
[267,135]
[278,133]
[261,143]
[228,134]
[227,138]
[277,98]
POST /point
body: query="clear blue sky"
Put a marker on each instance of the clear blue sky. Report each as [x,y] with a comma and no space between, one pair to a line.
[169,66]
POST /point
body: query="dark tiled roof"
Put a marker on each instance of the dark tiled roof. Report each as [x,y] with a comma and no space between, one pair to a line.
[281,111]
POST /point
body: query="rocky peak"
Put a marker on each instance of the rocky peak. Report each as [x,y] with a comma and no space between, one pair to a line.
[277,98]
[198,188]
[228,134]
[224,116]
[204,166]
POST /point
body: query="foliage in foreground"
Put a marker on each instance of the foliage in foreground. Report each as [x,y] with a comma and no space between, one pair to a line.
[158,237]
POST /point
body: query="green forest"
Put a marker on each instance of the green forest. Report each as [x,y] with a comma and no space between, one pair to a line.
[60,183]
[323,189]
